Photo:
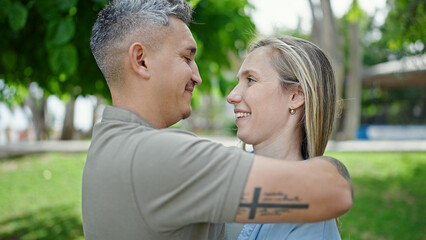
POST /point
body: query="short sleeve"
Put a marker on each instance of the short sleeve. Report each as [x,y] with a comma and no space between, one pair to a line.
[180,179]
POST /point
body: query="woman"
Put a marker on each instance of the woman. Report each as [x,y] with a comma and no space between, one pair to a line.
[284,103]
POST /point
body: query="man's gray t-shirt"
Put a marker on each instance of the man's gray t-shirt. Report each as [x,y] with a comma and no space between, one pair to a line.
[140,182]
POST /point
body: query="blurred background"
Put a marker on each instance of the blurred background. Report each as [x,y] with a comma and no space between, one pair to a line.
[51,88]
[52,92]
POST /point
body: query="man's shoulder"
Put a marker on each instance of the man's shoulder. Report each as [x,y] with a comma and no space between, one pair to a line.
[128,130]
[177,131]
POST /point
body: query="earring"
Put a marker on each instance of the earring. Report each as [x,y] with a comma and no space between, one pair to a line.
[292,111]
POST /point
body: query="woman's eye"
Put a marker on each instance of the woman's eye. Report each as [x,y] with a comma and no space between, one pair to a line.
[187,59]
[250,79]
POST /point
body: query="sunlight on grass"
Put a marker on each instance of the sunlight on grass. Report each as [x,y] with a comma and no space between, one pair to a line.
[390,195]
[41,197]
[381,165]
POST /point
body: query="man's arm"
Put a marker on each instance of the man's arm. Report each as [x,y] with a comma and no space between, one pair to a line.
[289,191]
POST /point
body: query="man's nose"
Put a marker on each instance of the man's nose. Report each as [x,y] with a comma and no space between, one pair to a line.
[196,78]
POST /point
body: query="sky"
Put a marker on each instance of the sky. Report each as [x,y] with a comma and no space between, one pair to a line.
[267,14]
[285,13]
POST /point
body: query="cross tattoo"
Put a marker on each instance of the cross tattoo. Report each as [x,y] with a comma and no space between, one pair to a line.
[255,204]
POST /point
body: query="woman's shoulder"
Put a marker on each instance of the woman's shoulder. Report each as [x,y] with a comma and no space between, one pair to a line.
[326,230]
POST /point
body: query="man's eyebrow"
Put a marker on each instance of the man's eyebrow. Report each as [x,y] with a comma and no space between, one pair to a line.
[192,49]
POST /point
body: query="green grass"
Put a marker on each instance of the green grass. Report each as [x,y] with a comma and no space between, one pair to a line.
[40,196]
[390,195]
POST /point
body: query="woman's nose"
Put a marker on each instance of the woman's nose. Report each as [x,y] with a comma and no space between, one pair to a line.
[233,97]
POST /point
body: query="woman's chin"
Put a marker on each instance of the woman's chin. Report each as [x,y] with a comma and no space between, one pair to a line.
[243,137]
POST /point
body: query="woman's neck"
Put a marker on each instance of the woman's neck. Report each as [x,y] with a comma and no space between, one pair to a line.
[284,146]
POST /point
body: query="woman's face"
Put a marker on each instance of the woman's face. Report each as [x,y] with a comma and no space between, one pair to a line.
[260,103]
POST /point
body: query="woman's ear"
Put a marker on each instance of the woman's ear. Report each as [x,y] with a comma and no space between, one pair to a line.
[297,98]
[137,56]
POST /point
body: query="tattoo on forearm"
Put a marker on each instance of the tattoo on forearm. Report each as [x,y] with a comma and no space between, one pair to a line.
[341,169]
[270,204]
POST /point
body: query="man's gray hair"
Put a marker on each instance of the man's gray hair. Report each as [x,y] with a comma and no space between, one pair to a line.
[123,18]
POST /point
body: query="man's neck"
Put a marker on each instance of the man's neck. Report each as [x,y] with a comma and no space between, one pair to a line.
[143,107]
[148,115]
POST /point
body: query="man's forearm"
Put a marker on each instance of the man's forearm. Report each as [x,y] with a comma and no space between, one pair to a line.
[284,191]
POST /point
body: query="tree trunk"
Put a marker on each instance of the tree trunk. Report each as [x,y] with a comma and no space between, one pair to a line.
[354,84]
[68,127]
[326,35]
[95,118]
[316,23]
[38,110]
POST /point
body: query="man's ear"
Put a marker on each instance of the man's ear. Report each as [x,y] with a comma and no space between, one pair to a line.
[297,98]
[137,56]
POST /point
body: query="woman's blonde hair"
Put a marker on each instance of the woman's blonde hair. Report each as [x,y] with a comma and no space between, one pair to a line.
[301,63]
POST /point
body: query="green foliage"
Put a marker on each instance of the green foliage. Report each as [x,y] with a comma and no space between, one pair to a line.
[392,106]
[193,3]
[47,42]
[59,32]
[402,34]
[222,30]
[17,16]
[63,60]
[387,106]
[405,25]
[355,15]
[14,94]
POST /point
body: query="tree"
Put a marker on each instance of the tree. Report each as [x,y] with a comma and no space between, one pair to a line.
[404,29]
[354,22]
[325,34]
[222,30]
[47,42]
[402,34]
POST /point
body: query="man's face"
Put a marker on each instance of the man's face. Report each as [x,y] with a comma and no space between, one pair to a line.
[174,72]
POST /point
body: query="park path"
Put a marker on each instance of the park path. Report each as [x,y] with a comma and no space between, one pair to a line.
[24,148]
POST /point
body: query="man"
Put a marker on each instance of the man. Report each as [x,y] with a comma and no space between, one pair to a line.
[144,181]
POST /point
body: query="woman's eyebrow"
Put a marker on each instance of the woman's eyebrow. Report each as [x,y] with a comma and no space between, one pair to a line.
[247,72]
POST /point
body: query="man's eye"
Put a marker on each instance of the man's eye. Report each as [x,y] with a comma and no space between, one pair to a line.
[250,79]
[187,59]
